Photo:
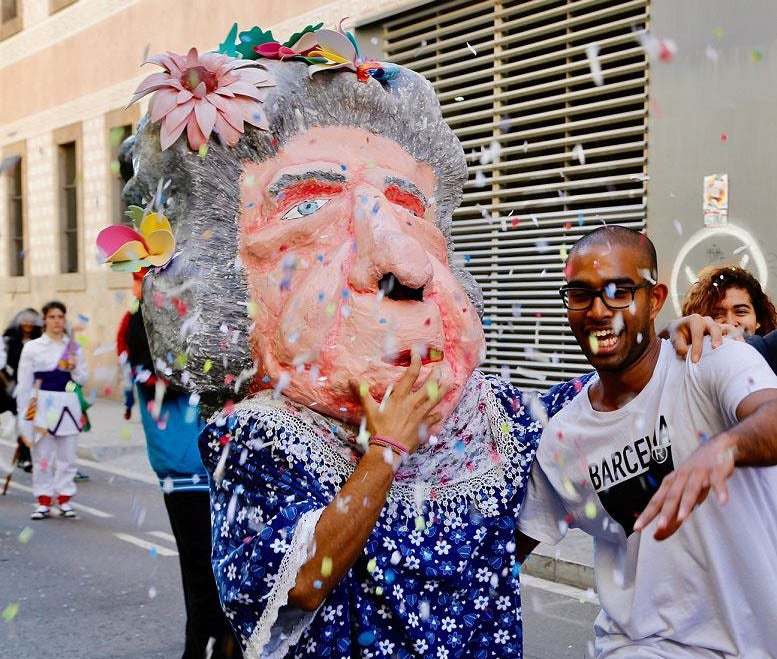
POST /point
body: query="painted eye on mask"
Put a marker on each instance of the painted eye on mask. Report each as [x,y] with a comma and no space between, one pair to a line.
[304,209]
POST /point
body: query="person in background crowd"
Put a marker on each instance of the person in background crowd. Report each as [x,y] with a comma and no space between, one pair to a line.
[25,327]
[733,296]
[50,412]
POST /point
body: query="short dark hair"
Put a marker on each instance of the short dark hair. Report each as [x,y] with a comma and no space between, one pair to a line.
[54,304]
[711,286]
[623,236]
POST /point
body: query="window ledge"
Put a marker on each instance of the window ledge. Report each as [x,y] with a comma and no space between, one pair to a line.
[71,281]
[16,284]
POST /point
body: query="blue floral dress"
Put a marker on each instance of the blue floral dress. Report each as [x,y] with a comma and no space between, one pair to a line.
[438,576]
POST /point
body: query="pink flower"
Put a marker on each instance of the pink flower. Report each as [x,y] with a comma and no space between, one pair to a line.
[203,93]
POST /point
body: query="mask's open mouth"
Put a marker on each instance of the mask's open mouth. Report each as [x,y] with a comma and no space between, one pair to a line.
[393,289]
[403,358]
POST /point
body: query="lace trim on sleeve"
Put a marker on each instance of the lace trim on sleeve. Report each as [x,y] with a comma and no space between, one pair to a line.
[280,641]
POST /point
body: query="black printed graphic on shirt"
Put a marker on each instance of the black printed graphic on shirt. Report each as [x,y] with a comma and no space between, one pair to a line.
[627,478]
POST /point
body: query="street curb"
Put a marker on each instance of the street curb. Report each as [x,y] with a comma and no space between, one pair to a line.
[105,453]
[559,570]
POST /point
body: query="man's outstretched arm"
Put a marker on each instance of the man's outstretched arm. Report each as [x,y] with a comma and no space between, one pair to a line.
[750,443]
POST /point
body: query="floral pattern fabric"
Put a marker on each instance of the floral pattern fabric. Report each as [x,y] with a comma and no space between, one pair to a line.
[438,576]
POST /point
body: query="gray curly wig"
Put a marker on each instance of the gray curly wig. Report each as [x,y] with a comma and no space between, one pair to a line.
[197,305]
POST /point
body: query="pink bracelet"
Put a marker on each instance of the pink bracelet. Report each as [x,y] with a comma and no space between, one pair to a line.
[381,440]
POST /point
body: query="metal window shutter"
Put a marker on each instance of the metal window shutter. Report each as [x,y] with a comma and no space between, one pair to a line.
[517,74]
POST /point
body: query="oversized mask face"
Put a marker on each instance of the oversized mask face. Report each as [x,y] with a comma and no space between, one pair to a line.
[348,272]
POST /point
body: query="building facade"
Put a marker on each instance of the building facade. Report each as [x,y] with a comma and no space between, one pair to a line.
[572,113]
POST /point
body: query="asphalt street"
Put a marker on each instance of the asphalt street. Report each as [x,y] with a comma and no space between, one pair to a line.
[107,586]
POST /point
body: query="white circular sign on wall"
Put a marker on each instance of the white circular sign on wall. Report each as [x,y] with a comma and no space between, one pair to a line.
[744,252]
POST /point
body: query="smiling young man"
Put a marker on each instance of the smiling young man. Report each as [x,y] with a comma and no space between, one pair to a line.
[649,425]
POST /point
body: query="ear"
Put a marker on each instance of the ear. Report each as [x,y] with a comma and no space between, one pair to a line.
[658,295]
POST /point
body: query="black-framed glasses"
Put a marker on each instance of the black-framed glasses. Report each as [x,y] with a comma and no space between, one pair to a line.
[614,296]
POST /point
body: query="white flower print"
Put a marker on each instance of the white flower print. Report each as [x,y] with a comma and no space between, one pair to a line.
[412,620]
[442,547]
[330,613]
[384,612]
[503,603]
[412,562]
[225,529]
[311,645]
[279,546]
[241,515]
[416,538]
[244,598]
[389,543]
[398,591]
[420,646]
[386,647]
[231,571]
[501,636]
[481,603]
[442,653]
[483,574]
[448,624]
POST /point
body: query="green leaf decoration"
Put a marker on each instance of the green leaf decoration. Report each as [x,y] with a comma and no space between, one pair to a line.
[294,38]
[250,38]
[355,43]
[135,213]
[227,47]
[129,266]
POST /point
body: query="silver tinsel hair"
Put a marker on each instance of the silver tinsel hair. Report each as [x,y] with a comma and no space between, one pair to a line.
[197,306]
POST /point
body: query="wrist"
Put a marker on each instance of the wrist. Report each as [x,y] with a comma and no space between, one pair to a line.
[727,442]
[382,455]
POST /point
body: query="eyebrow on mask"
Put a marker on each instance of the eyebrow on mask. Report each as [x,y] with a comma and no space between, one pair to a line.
[407,186]
[287,180]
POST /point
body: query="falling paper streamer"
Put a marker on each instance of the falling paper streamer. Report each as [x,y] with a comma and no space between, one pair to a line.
[592,53]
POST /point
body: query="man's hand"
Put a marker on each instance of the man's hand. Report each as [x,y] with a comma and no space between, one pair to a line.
[687,333]
[709,466]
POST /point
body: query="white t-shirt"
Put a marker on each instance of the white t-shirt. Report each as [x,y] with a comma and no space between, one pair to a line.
[710,590]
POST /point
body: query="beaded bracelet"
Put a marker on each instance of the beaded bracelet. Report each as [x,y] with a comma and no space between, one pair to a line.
[385,442]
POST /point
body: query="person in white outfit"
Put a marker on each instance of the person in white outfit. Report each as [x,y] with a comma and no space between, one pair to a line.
[50,414]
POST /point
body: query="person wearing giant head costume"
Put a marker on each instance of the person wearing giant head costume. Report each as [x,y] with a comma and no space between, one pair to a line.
[365,477]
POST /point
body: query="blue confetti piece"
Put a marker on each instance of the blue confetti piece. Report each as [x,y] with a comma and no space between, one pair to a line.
[153,552]
[390,576]
[467,258]
[83,318]
[320,258]
[321,296]
[343,167]
[250,204]
[344,293]
[375,208]
[366,638]
[580,219]
[382,321]
[317,584]
[487,322]
[265,379]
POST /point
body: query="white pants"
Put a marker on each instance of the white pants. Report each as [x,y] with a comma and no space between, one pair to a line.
[54,466]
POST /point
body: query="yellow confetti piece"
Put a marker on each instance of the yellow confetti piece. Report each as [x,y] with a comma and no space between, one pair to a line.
[133,305]
[564,253]
[10,611]
[570,489]
[82,340]
[420,524]
[594,343]
[251,309]
[363,389]
[326,566]
[126,433]
[203,151]
[379,590]
[330,309]
[371,565]
[432,390]
[25,535]
[180,361]
[207,366]
[506,428]
[590,510]
[115,167]
[70,387]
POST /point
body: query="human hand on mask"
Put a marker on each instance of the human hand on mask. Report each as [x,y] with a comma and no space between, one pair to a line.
[407,409]
[687,333]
